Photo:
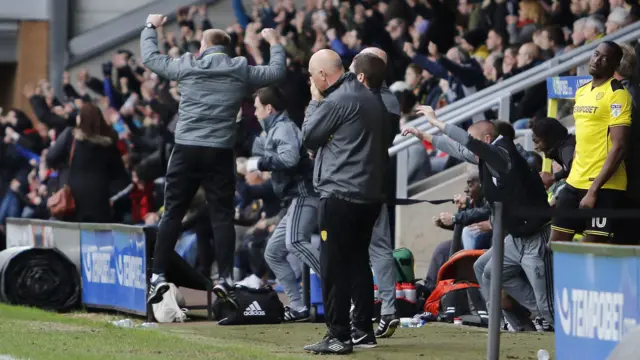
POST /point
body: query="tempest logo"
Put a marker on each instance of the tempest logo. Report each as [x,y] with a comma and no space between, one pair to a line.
[130,272]
[593,314]
[96,263]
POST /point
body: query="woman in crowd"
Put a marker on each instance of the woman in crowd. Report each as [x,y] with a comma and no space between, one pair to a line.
[88,160]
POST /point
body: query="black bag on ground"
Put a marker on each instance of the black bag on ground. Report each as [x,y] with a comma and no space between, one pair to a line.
[466,304]
[255,306]
[44,278]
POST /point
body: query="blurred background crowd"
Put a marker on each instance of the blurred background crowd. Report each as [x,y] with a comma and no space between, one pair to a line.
[119,124]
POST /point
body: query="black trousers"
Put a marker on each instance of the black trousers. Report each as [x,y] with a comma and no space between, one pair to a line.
[189,168]
[346,229]
[206,252]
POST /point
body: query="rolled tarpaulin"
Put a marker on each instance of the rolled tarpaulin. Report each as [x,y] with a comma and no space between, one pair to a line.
[43,278]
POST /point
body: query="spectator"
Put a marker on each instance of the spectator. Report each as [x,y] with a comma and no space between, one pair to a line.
[510,60]
[531,17]
[551,42]
[492,69]
[618,18]
[473,43]
[532,100]
[632,7]
[577,35]
[496,41]
[473,211]
[599,8]
[462,74]
[89,162]
[553,140]
[424,86]
[593,29]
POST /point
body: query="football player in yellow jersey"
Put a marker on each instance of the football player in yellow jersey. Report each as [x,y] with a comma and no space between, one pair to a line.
[598,178]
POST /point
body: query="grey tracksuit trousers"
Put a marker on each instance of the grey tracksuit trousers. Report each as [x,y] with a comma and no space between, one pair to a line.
[293,235]
[531,255]
[383,263]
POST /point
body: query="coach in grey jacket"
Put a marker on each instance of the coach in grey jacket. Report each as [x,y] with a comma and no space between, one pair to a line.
[291,169]
[212,86]
[343,127]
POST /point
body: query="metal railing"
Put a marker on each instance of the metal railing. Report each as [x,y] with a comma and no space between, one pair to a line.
[499,87]
[500,96]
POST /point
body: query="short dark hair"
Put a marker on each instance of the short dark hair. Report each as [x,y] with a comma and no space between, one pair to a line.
[272,96]
[217,37]
[534,160]
[505,129]
[550,130]
[555,34]
[373,68]
[416,68]
[616,52]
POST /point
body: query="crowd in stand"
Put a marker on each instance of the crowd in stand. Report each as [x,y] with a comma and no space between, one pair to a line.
[108,136]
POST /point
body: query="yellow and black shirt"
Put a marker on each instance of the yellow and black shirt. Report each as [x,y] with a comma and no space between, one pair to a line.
[597,110]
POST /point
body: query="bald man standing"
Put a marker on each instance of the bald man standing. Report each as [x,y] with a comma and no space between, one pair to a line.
[212,87]
[342,129]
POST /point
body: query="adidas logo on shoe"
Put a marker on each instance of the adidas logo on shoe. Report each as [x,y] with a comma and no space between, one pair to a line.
[254,310]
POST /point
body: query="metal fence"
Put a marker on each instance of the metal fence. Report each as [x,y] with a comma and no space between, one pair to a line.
[497,96]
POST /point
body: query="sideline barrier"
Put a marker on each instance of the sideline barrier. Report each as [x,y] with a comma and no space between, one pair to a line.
[596,289]
[113,260]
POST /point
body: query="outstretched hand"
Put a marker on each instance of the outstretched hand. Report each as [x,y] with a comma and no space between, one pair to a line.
[426,111]
[413,131]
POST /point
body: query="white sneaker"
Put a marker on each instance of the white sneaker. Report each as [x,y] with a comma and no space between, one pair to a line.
[251,281]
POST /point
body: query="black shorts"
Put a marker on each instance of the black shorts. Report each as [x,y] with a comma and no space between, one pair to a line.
[569,198]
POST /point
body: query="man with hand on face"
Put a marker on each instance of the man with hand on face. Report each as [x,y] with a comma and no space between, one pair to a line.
[343,128]
[506,177]
[212,88]
[370,69]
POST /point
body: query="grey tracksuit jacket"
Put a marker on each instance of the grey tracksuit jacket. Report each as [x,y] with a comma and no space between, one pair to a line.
[345,130]
[282,153]
[212,87]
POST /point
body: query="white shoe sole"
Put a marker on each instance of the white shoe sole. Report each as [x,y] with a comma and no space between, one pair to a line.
[391,329]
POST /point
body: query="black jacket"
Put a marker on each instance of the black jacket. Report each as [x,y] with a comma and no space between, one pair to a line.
[345,130]
[96,167]
[518,186]
[476,214]
[633,153]
[562,153]
[505,177]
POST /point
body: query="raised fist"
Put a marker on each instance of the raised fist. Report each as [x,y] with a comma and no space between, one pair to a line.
[270,36]
[156,19]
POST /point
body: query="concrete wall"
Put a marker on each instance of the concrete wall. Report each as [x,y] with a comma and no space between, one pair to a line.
[8,41]
[25,9]
[414,227]
[86,14]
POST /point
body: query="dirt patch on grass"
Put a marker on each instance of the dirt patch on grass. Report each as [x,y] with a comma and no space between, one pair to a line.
[53,326]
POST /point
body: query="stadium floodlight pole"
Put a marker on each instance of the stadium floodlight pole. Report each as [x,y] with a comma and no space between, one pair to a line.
[497,259]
